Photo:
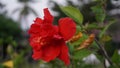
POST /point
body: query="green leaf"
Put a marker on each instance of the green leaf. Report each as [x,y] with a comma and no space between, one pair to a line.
[73,13]
[71,48]
[92,26]
[116,57]
[94,47]
[99,13]
[105,38]
[82,53]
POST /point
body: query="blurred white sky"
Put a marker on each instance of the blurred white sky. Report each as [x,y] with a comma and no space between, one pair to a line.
[37,6]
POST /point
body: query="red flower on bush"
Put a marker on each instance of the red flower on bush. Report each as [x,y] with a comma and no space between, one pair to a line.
[48,40]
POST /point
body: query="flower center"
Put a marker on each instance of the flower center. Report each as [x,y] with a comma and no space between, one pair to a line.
[43,41]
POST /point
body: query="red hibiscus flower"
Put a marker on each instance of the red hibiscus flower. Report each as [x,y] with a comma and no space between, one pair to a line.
[48,40]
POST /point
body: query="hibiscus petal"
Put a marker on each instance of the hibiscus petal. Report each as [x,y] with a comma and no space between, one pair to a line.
[35,42]
[50,52]
[37,55]
[67,27]
[35,29]
[48,30]
[56,28]
[64,54]
[48,18]
[38,20]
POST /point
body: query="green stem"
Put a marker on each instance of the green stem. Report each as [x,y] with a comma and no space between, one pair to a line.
[104,52]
